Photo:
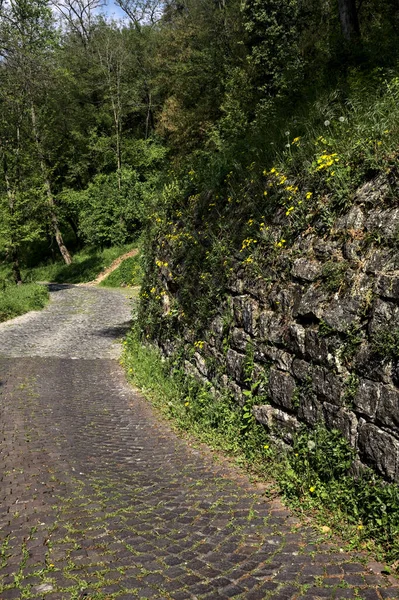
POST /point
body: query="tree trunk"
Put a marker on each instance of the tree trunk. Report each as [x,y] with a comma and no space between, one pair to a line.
[349,19]
[50,198]
[11,202]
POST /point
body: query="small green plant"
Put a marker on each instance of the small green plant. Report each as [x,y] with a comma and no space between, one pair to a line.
[333,276]
[385,343]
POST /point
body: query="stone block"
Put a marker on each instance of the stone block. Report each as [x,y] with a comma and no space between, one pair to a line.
[325,249]
[343,420]
[236,392]
[200,364]
[384,314]
[371,366]
[277,421]
[246,312]
[379,449]
[285,300]
[373,192]
[383,222]
[300,369]
[309,410]
[312,304]
[281,388]
[281,359]
[326,385]
[271,327]
[388,408]
[239,339]
[316,348]
[235,364]
[367,397]
[342,313]
[305,269]
[295,339]
[387,286]
[354,219]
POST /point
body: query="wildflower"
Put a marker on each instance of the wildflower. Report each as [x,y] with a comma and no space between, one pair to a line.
[186,403]
[289,211]
[360,527]
[273,170]
[248,260]
[312,489]
[153,290]
[288,145]
[283,179]
[296,140]
[280,244]
[287,133]
[341,119]
[327,123]
[250,222]
[308,195]
[265,193]
[266,447]
[265,172]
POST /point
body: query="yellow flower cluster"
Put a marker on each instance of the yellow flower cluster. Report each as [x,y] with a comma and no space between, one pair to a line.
[161,264]
[325,161]
[199,344]
[248,242]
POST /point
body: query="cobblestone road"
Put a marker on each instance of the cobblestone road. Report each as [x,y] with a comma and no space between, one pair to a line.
[100,500]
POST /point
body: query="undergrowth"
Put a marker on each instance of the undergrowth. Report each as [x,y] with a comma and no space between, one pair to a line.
[16,300]
[129,273]
[86,265]
[315,477]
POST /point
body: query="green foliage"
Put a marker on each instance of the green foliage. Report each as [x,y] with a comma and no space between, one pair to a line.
[87,264]
[192,405]
[16,300]
[385,343]
[129,273]
[316,475]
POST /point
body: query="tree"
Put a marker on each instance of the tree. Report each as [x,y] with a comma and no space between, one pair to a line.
[349,19]
[28,41]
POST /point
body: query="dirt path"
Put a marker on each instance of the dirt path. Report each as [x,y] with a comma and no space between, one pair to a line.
[104,274]
[98,499]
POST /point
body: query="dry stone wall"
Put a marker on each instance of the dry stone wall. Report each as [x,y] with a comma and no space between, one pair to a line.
[320,332]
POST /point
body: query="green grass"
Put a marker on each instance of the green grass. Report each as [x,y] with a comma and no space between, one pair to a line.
[86,265]
[315,477]
[129,273]
[16,300]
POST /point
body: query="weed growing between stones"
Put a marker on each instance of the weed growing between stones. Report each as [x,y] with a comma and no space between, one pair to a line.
[318,475]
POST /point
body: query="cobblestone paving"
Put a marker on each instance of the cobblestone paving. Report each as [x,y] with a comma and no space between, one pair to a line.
[99,500]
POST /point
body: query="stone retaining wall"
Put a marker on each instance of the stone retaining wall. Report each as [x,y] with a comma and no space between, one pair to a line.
[319,333]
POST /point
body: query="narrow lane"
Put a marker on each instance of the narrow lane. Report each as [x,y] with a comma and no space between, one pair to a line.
[99,499]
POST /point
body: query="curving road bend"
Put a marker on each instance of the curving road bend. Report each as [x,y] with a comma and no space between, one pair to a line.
[100,500]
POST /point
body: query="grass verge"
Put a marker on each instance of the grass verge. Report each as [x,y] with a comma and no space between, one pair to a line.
[129,273]
[16,300]
[86,265]
[315,477]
